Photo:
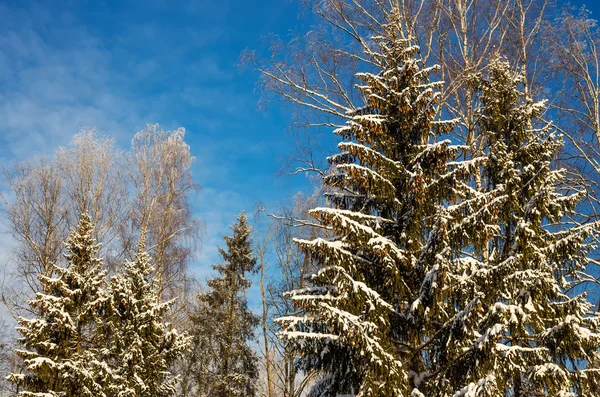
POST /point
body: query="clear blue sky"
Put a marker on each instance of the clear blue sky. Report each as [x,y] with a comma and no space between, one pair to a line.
[118,65]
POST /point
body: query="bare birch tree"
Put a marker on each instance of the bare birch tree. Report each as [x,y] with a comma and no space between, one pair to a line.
[162,184]
[45,198]
[36,217]
[94,182]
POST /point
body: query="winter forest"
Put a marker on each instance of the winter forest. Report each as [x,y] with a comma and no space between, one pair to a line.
[442,240]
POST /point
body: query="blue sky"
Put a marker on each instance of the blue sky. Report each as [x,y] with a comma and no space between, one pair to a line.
[118,65]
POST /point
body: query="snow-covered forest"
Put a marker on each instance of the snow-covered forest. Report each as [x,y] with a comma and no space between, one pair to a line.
[446,245]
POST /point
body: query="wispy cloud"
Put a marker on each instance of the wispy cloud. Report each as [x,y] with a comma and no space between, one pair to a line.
[49,89]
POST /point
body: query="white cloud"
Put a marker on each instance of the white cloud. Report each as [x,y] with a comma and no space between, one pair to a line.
[49,90]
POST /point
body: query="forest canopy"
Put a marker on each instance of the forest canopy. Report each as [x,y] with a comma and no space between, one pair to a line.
[444,245]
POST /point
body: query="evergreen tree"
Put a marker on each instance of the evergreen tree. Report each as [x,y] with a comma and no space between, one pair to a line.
[368,321]
[141,346]
[520,333]
[61,356]
[224,324]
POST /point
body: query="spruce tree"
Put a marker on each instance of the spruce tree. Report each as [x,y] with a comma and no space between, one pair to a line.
[141,347]
[61,346]
[369,318]
[520,333]
[224,324]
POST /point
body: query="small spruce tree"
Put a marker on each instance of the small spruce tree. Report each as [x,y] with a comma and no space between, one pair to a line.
[224,325]
[141,347]
[61,346]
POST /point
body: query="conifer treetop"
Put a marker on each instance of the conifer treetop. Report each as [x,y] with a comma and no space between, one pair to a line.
[365,319]
[144,345]
[61,355]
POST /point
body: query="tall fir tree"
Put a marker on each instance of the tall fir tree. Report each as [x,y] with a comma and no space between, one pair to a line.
[520,333]
[369,318]
[141,346]
[224,325]
[61,355]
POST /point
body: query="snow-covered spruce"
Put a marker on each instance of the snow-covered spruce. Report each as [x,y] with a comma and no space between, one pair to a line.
[61,354]
[367,320]
[520,333]
[446,277]
[140,346]
[223,325]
